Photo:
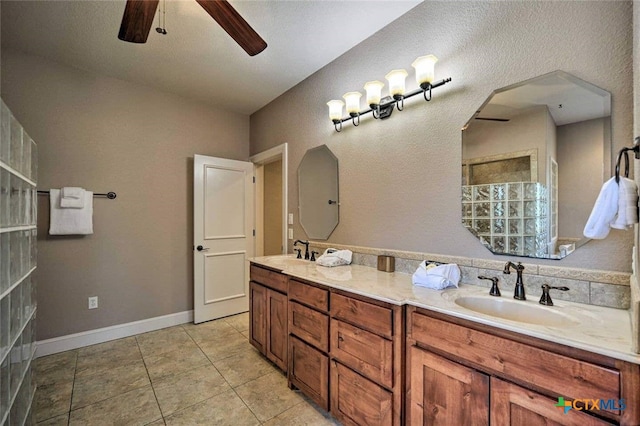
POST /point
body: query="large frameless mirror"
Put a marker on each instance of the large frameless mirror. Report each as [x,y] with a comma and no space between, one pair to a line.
[534,157]
[318,193]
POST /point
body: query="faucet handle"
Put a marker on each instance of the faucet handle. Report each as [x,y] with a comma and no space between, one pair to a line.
[299,256]
[545,299]
[313,255]
[495,291]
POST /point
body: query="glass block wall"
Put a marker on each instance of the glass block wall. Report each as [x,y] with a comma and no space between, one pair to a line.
[509,217]
[18,176]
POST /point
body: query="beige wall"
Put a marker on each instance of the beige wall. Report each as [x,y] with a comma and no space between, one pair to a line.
[400,178]
[108,135]
[273,208]
[580,162]
[526,131]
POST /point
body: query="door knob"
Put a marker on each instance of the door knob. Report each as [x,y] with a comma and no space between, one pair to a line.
[200,248]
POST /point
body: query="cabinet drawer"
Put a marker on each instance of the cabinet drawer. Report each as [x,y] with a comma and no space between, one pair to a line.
[363,351]
[269,278]
[358,401]
[309,371]
[374,318]
[555,373]
[309,295]
[309,325]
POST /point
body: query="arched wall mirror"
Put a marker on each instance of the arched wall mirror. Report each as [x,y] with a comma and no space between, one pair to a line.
[318,193]
[534,157]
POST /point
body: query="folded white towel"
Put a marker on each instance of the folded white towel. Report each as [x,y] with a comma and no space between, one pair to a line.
[437,278]
[334,257]
[627,204]
[74,221]
[72,192]
[604,211]
[72,197]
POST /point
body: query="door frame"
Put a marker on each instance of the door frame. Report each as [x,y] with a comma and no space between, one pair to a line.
[279,152]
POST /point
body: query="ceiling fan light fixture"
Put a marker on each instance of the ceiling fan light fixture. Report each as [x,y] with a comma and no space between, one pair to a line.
[138,19]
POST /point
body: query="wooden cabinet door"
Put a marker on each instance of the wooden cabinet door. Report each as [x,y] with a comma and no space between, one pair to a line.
[277,328]
[445,393]
[356,400]
[309,371]
[512,405]
[258,316]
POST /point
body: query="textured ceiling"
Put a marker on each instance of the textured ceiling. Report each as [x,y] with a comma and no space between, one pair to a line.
[197,59]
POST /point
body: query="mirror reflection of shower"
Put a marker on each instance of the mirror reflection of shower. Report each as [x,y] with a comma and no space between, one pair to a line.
[534,157]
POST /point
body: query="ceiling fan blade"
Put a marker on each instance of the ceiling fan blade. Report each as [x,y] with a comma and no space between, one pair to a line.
[137,20]
[235,25]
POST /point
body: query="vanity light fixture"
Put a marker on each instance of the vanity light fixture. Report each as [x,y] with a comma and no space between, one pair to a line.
[383,107]
[352,100]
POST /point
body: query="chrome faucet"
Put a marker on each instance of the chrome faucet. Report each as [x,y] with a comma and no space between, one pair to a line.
[306,247]
[519,290]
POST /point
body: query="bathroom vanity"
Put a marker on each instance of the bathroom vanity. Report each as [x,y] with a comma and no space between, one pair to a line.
[374,350]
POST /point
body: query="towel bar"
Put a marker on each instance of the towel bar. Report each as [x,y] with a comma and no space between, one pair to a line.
[110,195]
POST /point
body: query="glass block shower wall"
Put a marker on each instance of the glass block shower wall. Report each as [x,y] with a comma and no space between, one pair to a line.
[510,217]
[18,176]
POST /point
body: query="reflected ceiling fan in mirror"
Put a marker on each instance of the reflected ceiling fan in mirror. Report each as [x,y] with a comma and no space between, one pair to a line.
[138,19]
[492,119]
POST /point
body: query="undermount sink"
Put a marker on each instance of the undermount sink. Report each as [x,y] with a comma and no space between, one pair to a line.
[287,261]
[516,311]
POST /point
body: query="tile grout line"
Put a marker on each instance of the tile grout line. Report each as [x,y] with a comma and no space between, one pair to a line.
[73,387]
[150,381]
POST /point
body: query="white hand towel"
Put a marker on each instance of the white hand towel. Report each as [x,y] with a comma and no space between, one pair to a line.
[627,204]
[437,278]
[74,221]
[333,257]
[604,211]
[72,197]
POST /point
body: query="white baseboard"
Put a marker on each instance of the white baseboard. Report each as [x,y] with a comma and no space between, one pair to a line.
[100,335]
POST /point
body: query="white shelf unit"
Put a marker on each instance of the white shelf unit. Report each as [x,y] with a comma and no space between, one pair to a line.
[18,263]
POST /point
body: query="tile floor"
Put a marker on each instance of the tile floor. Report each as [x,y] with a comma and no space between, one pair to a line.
[206,374]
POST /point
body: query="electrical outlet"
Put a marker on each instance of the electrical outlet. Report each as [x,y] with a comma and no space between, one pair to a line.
[291,233]
[290,218]
[93,302]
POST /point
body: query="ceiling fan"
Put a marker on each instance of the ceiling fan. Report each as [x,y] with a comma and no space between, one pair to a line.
[138,19]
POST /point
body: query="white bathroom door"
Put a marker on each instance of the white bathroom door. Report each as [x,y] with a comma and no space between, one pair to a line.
[223,236]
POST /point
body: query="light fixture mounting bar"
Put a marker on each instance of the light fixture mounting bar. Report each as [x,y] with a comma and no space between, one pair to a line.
[393,101]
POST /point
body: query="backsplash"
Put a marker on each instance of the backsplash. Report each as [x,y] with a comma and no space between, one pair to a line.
[594,287]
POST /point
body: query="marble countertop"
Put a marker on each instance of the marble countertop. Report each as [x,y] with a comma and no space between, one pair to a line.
[592,328]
